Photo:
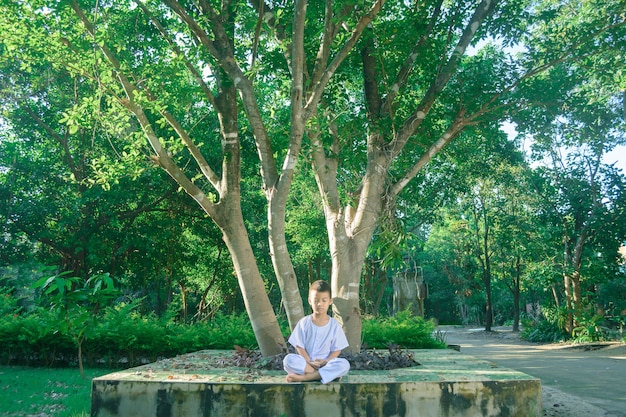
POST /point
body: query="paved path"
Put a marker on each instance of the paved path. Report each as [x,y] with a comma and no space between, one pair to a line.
[593,376]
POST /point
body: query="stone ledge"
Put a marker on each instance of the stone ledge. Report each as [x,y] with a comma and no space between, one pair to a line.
[447,383]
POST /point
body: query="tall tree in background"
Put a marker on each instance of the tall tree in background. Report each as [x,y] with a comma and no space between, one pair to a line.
[450,250]
[482,222]
[585,200]
[516,236]
[573,120]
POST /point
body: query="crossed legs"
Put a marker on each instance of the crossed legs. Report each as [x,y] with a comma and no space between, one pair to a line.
[298,370]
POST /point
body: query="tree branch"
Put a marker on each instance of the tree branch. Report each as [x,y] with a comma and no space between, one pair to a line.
[409,63]
[318,87]
[484,9]
[67,156]
[192,69]
[449,135]
[222,51]
[131,90]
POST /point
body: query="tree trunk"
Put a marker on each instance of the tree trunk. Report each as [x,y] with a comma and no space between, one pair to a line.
[488,302]
[310,270]
[516,294]
[202,305]
[569,321]
[374,282]
[281,259]
[258,307]
[382,283]
[557,301]
[482,243]
[350,231]
[573,291]
[277,184]
[183,298]
[81,368]
[347,263]
[577,299]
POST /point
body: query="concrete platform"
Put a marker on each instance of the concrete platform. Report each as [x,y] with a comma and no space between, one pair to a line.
[447,383]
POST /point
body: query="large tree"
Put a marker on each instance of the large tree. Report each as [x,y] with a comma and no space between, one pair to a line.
[184,71]
[485,225]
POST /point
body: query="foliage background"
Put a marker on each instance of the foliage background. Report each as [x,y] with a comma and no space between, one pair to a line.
[79,191]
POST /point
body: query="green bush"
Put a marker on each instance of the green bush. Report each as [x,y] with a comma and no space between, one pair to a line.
[8,303]
[543,331]
[9,336]
[590,329]
[33,339]
[124,333]
[403,329]
[127,334]
[121,336]
[549,328]
[222,332]
[228,331]
[185,338]
[43,341]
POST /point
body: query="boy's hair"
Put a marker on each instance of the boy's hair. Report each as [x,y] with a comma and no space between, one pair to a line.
[320,286]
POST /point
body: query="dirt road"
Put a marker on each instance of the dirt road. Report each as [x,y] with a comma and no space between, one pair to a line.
[577,380]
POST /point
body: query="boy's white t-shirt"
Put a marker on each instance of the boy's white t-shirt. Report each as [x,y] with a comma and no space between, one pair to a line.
[318,341]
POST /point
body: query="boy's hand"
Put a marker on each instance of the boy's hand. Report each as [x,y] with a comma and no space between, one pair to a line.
[318,363]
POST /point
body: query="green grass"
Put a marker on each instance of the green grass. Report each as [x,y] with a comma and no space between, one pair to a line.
[46,392]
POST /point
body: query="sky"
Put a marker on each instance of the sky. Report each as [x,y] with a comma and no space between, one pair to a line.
[617,155]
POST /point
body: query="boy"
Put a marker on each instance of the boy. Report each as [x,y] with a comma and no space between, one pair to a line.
[318,339]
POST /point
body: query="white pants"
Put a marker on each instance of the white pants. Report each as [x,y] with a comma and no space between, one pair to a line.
[335,368]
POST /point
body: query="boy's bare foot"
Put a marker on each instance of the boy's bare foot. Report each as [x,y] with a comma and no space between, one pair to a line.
[313,376]
[293,378]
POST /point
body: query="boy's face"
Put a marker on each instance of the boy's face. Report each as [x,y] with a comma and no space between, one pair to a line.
[319,301]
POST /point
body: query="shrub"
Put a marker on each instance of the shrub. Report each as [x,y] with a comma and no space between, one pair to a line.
[590,329]
[184,338]
[33,339]
[121,336]
[128,335]
[10,325]
[403,329]
[8,303]
[543,331]
[548,327]
[224,332]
